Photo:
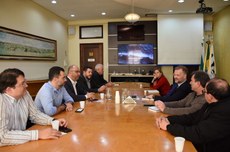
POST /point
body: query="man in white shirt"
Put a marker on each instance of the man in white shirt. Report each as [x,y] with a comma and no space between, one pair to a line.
[16,107]
[71,85]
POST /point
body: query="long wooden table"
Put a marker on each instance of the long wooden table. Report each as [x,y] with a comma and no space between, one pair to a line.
[108,127]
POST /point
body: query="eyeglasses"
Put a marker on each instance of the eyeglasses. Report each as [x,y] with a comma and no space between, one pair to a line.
[23,84]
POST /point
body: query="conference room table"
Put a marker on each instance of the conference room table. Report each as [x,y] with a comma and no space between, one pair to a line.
[104,126]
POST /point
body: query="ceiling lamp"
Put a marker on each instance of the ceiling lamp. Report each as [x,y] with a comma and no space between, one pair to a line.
[203,9]
[132,17]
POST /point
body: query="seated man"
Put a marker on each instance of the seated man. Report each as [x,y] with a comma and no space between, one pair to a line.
[208,128]
[98,78]
[192,102]
[50,97]
[77,93]
[85,82]
[16,107]
[180,88]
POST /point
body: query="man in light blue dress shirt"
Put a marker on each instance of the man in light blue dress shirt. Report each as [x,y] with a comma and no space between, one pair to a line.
[53,98]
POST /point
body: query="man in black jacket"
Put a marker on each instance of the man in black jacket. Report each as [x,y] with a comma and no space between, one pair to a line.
[208,128]
[71,85]
[180,89]
[85,82]
[98,78]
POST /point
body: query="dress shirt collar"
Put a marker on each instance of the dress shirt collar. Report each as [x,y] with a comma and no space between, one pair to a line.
[12,99]
[73,82]
[179,84]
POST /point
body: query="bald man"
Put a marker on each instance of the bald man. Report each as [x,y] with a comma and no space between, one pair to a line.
[208,128]
[77,93]
[98,78]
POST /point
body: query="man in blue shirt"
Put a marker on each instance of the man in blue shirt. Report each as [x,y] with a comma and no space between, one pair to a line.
[53,98]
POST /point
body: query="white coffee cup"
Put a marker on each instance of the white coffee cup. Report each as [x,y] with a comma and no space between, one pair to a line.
[102,96]
[82,104]
[55,124]
[179,144]
[145,92]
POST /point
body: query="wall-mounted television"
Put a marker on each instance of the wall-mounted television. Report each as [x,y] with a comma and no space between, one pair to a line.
[130,32]
[136,54]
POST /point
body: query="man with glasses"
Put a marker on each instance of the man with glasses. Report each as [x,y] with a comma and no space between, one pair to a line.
[208,128]
[53,98]
[77,93]
[192,102]
[16,107]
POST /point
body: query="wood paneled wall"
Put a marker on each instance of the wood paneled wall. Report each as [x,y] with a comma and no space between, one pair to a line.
[34,86]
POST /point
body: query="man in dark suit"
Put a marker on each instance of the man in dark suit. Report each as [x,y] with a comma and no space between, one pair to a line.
[180,89]
[85,82]
[208,128]
[71,85]
[98,78]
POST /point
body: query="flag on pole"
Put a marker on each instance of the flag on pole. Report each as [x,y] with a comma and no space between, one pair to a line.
[202,60]
[209,62]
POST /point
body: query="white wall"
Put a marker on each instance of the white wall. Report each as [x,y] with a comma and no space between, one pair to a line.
[28,17]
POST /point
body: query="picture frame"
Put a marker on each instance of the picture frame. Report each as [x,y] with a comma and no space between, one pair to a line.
[91,32]
[17,45]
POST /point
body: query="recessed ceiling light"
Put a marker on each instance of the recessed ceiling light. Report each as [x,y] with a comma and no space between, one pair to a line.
[180,1]
[226,0]
[53,1]
[103,13]
[170,11]
[72,15]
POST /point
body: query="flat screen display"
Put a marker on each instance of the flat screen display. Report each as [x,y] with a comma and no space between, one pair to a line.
[130,33]
[135,54]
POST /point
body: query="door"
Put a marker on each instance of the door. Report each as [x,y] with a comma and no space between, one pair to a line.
[91,54]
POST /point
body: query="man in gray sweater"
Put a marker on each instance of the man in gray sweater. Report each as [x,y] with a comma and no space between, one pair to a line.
[192,102]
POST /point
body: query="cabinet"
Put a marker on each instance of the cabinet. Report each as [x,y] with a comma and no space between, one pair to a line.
[131,78]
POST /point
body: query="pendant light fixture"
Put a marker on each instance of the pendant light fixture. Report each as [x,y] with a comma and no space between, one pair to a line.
[132,17]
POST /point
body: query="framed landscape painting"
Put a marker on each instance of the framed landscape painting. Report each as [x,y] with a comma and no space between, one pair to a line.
[23,46]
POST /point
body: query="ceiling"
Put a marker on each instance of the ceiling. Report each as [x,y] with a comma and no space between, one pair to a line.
[92,9]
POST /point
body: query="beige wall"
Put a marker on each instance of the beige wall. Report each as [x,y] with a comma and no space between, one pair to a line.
[74,42]
[222,42]
[74,45]
[27,16]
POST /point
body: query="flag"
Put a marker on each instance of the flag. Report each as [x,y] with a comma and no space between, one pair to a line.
[209,62]
[202,60]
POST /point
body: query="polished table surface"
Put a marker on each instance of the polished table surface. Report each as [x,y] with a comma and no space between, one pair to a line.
[104,126]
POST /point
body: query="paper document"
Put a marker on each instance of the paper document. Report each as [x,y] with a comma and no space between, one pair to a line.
[147,99]
[153,91]
[154,108]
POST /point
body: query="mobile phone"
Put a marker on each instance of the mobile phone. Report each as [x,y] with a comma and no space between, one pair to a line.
[149,105]
[79,110]
[93,100]
[134,96]
[64,129]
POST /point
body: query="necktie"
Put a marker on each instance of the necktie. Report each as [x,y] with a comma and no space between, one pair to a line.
[172,90]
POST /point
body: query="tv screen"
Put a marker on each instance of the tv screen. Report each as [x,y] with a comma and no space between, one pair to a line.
[130,32]
[135,54]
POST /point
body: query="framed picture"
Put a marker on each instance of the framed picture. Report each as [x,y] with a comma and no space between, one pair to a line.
[23,46]
[91,32]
